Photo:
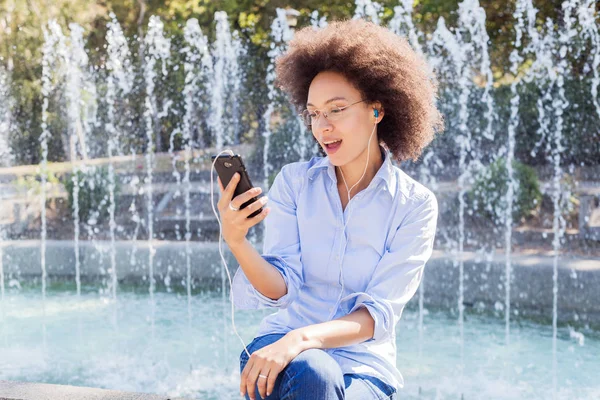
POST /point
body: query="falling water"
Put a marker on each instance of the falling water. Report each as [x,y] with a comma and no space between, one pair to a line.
[281,33]
[135,216]
[369,10]
[471,23]
[5,117]
[550,107]
[1,280]
[516,59]
[5,156]
[158,49]
[317,22]
[224,70]
[196,64]
[226,83]
[52,36]
[402,24]
[559,104]
[444,39]
[76,61]
[589,30]
[119,84]
[463,48]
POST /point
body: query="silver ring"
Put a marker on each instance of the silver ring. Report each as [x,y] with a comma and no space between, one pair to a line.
[232,208]
[262,376]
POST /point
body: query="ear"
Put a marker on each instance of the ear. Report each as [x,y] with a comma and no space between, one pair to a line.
[380,112]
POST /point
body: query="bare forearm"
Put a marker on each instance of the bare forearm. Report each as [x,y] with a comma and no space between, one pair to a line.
[350,329]
[263,276]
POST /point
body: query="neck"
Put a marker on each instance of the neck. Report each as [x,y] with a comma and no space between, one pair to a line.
[353,171]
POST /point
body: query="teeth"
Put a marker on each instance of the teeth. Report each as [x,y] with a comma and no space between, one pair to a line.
[333,141]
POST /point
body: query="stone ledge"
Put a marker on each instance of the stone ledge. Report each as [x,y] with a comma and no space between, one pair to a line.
[10,390]
[531,284]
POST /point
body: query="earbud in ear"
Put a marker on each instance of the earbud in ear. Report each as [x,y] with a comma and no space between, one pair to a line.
[376,112]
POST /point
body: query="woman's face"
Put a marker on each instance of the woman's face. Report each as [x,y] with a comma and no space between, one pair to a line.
[353,125]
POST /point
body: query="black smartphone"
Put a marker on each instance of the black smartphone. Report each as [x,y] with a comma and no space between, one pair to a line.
[226,166]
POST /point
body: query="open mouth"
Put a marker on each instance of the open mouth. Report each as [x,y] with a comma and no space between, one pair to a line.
[332,147]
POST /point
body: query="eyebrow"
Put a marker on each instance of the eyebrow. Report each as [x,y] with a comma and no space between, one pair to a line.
[330,100]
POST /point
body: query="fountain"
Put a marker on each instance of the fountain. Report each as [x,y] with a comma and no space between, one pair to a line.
[508,291]
[158,50]
[118,84]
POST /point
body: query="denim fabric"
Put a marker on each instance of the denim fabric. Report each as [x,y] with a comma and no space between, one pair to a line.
[315,375]
[376,262]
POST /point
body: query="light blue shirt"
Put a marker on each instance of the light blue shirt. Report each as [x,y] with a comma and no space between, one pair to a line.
[388,240]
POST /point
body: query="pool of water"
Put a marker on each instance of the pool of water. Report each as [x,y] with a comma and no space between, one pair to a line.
[180,348]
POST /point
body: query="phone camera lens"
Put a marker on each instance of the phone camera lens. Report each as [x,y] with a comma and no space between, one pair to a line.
[227,164]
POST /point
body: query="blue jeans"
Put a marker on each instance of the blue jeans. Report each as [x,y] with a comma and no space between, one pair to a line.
[315,375]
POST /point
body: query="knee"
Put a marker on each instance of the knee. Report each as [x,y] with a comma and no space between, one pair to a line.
[243,360]
[315,367]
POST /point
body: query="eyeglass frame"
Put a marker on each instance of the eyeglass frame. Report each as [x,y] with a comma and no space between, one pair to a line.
[319,112]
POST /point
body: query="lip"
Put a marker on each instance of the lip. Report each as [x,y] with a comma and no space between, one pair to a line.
[331,151]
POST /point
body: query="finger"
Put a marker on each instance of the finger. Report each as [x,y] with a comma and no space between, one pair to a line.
[244,376]
[250,222]
[262,383]
[271,381]
[231,186]
[244,197]
[251,381]
[227,193]
[255,206]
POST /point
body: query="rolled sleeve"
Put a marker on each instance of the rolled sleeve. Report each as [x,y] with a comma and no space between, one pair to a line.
[245,296]
[399,272]
[281,246]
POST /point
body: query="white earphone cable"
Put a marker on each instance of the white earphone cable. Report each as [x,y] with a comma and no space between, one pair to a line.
[212,202]
[351,209]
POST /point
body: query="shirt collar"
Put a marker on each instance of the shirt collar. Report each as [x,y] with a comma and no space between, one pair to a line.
[385,175]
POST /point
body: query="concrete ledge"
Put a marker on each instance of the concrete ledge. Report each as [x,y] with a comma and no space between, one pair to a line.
[41,391]
[22,258]
[531,286]
[484,279]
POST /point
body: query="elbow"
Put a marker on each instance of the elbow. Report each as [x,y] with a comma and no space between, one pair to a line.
[382,315]
[291,283]
[383,322]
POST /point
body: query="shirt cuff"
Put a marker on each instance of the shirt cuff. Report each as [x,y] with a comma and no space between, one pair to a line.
[381,312]
[245,296]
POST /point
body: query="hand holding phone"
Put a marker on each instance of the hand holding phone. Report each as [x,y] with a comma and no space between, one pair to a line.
[226,166]
[239,205]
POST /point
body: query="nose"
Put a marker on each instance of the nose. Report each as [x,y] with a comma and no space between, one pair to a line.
[322,124]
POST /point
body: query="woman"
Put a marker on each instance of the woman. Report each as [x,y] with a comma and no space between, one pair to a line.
[348,234]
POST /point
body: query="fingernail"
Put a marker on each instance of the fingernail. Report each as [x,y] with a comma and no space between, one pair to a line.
[241,394]
[268,394]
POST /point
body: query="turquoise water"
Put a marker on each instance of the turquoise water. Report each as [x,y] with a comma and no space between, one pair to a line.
[174,349]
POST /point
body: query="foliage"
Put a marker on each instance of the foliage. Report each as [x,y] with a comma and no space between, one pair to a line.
[32,183]
[21,39]
[488,194]
[93,193]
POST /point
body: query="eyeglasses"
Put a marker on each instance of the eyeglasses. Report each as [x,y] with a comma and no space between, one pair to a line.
[333,113]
